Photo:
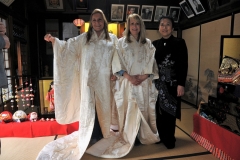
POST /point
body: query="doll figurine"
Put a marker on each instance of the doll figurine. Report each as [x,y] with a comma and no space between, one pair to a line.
[50,97]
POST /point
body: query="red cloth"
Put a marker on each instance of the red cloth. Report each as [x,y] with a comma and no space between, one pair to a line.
[36,129]
[221,138]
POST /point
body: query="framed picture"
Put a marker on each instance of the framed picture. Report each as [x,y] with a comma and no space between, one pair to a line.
[196,6]
[117,11]
[147,12]
[186,9]
[132,9]
[175,13]
[81,4]
[213,4]
[55,5]
[159,12]
[44,91]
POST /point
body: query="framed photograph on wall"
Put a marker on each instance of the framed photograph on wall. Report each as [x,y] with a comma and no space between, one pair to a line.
[132,9]
[117,11]
[81,4]
[186,9]
[159,12]
[54,5]
[147,12]
[197,6]
[213,4]
[175,13]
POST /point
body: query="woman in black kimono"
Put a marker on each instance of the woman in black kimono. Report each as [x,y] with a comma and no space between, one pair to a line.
[172,60]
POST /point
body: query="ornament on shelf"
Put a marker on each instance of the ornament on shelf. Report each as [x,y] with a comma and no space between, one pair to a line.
[6,116]
[22,96]
[11,96]
[19,116]
[27,98]
[31,95]
[33,116]
[16,94]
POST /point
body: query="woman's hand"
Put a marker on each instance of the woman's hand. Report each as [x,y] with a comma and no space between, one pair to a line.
[142,78]
[49,38]
[113,78]
[132,78]
[180,91]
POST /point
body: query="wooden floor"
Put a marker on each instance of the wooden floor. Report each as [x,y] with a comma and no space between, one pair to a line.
[186,148]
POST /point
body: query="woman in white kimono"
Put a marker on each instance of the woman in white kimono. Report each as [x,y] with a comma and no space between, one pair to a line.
[137,95]
[83,66]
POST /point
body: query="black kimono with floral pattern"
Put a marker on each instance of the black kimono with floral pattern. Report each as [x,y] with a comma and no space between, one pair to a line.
[172,60]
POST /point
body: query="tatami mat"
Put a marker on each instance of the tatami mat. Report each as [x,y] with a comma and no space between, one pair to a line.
[186,148]
[22,148]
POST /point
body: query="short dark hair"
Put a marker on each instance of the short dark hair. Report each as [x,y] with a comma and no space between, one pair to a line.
[168,17]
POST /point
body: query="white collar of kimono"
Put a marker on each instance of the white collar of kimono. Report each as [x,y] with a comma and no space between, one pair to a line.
[95,36]
[133,39]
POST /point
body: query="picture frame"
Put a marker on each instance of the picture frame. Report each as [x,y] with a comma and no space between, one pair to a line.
[147,12]
[175,12]
[159,12]
[44,85]
[186,9]
[81,4]
[213,4]
[54,5]
[117,11]
[132,9]
[196,6]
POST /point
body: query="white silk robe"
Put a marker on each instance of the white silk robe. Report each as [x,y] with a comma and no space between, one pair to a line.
[81,82]
[135,104]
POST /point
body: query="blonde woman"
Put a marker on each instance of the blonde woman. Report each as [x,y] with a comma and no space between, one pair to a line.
[83,69]
[137,95]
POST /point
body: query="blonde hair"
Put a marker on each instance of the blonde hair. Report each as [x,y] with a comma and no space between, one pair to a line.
[141,35]
[90,28]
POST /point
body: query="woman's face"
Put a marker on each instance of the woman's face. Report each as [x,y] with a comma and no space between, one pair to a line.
[134,27]
[97,23]
[165,28]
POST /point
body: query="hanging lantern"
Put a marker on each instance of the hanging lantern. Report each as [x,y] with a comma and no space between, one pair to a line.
[78,22]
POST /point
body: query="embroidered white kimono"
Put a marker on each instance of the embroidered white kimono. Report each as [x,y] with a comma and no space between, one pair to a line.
[81,82]
[135,104]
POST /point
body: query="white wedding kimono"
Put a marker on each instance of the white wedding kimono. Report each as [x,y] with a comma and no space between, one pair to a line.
[136,104]
[81,82]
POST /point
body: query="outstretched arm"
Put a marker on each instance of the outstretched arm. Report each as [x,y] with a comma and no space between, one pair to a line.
[49,38]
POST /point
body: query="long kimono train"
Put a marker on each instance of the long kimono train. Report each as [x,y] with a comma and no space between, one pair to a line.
[82,82]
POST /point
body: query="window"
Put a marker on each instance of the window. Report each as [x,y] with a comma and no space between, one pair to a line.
[6,93]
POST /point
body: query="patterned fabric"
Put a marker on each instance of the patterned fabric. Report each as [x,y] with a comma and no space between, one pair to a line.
[210,147]
[172,60]
[166,101]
